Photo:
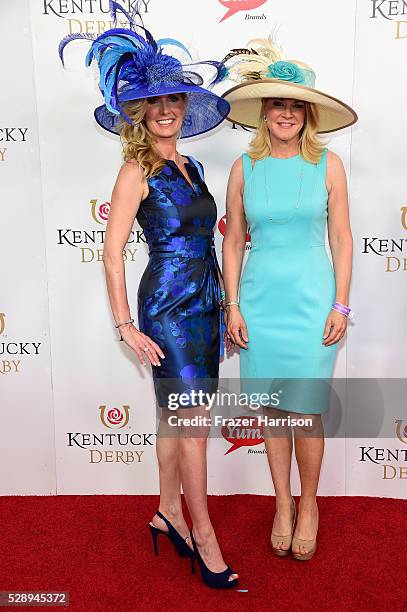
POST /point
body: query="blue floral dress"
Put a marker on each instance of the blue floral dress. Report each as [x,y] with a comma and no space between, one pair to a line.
[179,292]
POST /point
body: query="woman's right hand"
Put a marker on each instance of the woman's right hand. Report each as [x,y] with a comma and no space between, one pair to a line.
[236,326]
[139,342]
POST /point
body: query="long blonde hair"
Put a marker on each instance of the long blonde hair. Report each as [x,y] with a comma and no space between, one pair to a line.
[137,141]
[310,143]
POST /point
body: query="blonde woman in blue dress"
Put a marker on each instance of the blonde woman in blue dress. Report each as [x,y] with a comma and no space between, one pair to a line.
[293,305]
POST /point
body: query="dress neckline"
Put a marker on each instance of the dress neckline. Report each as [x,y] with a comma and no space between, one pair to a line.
[188,180]
[171,160]
[283,158]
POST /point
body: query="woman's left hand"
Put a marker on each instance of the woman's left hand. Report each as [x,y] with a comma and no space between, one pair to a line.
[335,328]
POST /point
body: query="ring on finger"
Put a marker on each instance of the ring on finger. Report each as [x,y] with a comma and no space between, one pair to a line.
[146,349]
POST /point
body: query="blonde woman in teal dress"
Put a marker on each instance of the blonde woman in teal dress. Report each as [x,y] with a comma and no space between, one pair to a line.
[292,307]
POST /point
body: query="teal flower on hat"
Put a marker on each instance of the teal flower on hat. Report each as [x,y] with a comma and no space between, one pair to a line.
[285,71]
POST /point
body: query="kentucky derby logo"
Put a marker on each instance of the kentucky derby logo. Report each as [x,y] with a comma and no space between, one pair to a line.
[100,212]
[234,6]
[122,448]
[91,16]
[115,418]
[90,242]
[395,249]
[391,10]
[238,435]
[401,431]
[13,354]
[61,8]
[392,461]
[11,134]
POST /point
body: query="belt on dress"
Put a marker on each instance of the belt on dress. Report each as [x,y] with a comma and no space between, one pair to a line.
[194,247]
[190,247]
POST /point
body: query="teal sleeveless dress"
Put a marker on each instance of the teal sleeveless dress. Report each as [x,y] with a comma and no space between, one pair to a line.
[287,287]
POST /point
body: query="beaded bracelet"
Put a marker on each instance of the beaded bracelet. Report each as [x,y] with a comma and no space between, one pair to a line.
[222,298]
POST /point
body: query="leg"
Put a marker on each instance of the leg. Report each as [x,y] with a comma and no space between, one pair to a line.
[278,442]
[193,470]
[309,449]
[170,488]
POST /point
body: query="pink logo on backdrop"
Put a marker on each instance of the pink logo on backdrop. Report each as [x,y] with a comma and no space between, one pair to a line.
[234,6]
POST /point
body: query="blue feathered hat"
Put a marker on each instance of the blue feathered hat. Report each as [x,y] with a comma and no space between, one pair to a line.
[133,66]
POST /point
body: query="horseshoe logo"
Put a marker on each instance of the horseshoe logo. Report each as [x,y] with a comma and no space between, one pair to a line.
[400,433]
[100,212]
[115,417]
[2,322]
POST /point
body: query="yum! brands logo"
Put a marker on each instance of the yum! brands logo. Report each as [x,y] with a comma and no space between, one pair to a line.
[393,249]
[244,435]
[89,242]
[235,6]
[118,444]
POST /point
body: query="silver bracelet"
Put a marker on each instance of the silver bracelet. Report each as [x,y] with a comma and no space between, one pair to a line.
[232,303]
[124,323]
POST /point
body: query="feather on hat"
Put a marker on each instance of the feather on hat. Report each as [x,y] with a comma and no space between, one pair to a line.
[133,65]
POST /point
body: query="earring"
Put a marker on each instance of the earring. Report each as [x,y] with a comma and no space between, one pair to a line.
[265,118]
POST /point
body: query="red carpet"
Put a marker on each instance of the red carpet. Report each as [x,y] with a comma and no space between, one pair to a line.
[98,548]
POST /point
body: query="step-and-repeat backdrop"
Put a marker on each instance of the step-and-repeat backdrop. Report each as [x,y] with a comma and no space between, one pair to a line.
[77,410]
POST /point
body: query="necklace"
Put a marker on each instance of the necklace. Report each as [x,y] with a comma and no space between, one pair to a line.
[269,200]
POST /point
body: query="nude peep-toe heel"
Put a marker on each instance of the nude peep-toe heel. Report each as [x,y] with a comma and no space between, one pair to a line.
[283,539]
[309,545]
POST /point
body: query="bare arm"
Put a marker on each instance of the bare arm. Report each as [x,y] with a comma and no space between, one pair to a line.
[233,250]
[126,197]
[235,237]
[340,239]
[339,232]
[130,188]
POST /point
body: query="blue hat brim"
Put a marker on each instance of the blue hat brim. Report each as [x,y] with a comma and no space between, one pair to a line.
[205,110]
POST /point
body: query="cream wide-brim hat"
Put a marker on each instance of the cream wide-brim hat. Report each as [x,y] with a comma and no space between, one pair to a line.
[246,98]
